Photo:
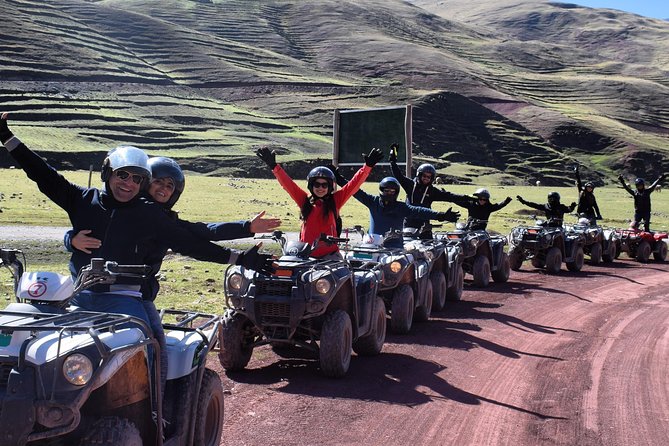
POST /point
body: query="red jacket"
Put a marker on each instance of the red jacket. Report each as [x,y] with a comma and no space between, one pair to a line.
[316,224]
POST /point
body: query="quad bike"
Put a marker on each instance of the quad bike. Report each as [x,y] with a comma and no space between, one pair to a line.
[325,306]
[405,284]
[640,244]
[547,245]
[483,254]
[70,377]
[599,243]
[445,260]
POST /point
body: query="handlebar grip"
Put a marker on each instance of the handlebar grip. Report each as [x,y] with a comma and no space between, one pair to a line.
[8,255]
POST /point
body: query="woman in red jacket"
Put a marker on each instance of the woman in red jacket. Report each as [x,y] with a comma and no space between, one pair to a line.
[319,209]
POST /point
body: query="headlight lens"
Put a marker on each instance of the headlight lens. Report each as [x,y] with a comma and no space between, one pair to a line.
[235,281]
[77,369]
[395,267]
[323,285]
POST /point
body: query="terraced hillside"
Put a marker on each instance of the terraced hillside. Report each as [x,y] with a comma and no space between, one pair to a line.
[518,91]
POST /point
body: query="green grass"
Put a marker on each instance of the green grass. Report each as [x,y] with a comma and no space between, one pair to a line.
[192,284]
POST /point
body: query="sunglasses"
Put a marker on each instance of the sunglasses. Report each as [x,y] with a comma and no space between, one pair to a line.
[123,175]
[321,185]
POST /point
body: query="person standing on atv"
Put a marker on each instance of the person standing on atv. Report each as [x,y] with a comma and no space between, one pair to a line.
[166,186]
[554,210]
[320,208]
[479,207]
[386,214]
[132,230]
[587,203]
[420,191]
[641,200]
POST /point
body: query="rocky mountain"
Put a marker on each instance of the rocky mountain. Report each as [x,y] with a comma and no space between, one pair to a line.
[513,90]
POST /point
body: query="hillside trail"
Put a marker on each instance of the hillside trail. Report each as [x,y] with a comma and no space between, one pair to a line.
[573,359]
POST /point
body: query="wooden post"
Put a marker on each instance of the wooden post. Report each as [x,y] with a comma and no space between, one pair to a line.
[408,132]
[335,139]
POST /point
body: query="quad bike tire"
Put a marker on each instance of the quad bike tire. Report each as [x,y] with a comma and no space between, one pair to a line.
[579,258]
[481,271]
[610,254]
[515,259]
[422,313]
[553,260]
[112,431]
[501,274]
[596,254]
[538,262]
[618,250]
[372,343]
[401,310]
[336,344]
[209,416]
[660,254]
[454,292]
[234,354]
[643,252]
[438,280]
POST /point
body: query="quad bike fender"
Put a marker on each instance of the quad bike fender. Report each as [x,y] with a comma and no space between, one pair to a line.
[18,412]
[184,351]
[366,287]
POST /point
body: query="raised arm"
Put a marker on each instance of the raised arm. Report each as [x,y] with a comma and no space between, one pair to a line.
[497,206]
[423,213]
[579,185]
[347,190]
[406,183]
[659,180]
[537,206]
[627,188]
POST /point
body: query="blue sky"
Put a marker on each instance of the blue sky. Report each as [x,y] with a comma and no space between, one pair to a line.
[658,9]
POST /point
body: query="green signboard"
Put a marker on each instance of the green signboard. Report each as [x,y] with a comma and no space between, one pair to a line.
[358,131]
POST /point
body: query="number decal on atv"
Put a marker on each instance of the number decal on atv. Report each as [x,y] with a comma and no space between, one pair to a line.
[37,289]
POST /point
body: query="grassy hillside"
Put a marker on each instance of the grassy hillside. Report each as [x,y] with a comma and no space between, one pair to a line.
[518,90]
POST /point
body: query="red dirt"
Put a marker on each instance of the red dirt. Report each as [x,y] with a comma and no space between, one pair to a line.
[575,359]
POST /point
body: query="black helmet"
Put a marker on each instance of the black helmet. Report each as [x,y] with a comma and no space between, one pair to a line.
[590,184]
[553,197]
[162,167]
[639,182]
[482,193]
[128,158]
[322,173]
[426,168]
[389,183]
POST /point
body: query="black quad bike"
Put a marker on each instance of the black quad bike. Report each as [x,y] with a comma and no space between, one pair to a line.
[326,306]
[445,260]
[547,246]
[405,284]
[70,377]
[599,243]
[483,253]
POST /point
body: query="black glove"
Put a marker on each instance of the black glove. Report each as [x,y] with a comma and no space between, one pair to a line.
[573,204]
[268,156]
[599,217]
[5,133]
[375,155]
[576,169]
[620,177]
[449,215]
[519,198]
[508,200]
[392,156]
[252,259]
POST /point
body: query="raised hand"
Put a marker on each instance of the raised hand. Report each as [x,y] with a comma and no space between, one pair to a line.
[5,133]
[268,156]
[260,224]
[392,156]
[449,215]
[84,243]
[375,155]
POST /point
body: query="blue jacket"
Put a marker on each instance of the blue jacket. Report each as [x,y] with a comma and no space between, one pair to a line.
[132,233]
[385,217]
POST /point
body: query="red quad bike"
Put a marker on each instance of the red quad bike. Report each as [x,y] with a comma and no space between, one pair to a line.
[640,244]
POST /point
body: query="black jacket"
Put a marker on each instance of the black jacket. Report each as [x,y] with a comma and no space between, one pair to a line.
[418,194]
[587,203]
[477,211]
[132,233]
[642,198]
[554,214]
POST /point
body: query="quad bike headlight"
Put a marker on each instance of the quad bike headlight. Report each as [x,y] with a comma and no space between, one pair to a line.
[323,285]
[77,369]
[395,267]
[235,281]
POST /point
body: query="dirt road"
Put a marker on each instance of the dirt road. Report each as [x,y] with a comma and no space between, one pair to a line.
[576,359]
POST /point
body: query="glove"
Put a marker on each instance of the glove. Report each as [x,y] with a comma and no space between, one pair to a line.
[620,177]
[5,133]
[269,157]
[599,217]
[573,204]
[252,259]
[374,156]
[508,200]
[576,169]
[392,156]
[519,198]
[449,215]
